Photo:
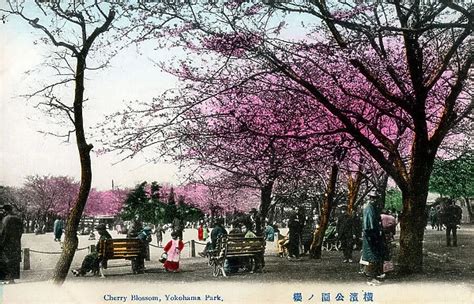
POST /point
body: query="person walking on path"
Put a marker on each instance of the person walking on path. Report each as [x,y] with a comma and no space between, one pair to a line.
[91,261]
[294,235]
[11,231]
[173,250]
[346,233]
[453,215]
[372,241]
[58,228]
[159,235]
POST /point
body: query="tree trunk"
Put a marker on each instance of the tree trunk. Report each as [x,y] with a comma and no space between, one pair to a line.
[382,188]
[412,228]
[469,209]
[353,186]
[271,213]
[318,235]
[265,202]
[414,216]
[70,236]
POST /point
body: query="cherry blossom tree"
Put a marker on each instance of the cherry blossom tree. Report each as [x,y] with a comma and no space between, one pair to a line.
[377,69]
[49,196]
[109,202]
[229,134]
[373,72]
[78,35]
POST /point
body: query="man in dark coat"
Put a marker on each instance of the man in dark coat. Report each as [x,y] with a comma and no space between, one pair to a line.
[294,235]
[452,217]
[372,240]
[346,233]
[10,244]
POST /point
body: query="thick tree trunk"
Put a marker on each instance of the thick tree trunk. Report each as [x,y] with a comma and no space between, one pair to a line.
[412,226]
[265,202]
[414,215]
[318,235]
[70,237]
[353,186]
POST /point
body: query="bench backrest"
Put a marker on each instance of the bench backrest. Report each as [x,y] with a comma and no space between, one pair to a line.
[240,246]
[120,248]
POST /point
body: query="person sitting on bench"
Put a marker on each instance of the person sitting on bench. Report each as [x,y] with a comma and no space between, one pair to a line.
[91,261]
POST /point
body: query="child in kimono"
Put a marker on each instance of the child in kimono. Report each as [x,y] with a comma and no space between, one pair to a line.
[173,249]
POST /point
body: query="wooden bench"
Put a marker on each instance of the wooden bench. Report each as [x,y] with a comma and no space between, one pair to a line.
[235,246]
[128,249]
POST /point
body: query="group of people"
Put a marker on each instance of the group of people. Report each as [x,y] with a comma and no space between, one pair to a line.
[11,230]
[172,249]
[243,227]
[377,230]
[298,240]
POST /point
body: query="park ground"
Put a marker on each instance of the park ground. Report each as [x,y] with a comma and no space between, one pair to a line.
[448,277]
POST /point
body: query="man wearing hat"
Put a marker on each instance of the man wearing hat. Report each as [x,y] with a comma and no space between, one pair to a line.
[11,230]
[91,261]
[372,241]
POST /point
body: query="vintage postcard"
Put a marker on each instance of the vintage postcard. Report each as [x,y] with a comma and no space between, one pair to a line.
[236,151]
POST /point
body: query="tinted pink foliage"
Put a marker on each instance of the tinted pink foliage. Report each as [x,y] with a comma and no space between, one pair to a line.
[207,198]
[107,203]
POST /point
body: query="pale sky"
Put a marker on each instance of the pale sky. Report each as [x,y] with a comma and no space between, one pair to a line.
[24,151]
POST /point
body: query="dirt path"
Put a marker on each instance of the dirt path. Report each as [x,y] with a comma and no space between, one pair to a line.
[441,264]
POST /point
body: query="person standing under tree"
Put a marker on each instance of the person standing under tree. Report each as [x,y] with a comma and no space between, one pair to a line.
[346,233]
[294,235]
[453,215]
[372,241]
[10,242]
